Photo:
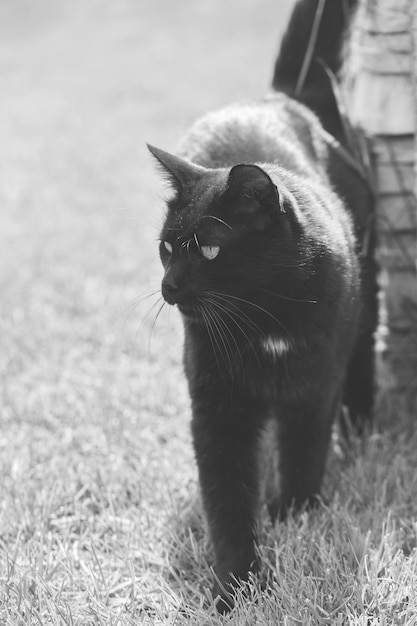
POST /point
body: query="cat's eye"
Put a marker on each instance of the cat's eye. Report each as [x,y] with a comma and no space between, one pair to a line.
[167,246]
[210,252]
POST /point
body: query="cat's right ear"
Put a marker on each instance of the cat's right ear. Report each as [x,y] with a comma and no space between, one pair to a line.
[179,172]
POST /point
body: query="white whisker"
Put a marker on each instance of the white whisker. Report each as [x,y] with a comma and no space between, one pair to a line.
[252,305]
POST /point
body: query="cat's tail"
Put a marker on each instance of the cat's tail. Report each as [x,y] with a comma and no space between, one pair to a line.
[311,55]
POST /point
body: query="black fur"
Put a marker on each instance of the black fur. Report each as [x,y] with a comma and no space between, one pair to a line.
[262,254]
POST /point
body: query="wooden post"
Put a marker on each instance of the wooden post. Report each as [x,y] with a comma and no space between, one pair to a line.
[381,93]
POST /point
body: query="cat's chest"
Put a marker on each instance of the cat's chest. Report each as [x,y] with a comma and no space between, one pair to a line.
[256,369]
[256,362]
[266,365]
[274,348]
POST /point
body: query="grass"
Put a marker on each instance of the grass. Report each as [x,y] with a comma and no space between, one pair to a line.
[100,519]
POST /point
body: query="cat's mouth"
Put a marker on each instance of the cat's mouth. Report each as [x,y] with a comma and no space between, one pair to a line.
[187,309]
[191,311]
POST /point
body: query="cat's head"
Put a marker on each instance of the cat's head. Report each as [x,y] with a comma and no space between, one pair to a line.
[220,234]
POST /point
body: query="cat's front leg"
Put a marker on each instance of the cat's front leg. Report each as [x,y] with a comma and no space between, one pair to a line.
[304,437]
[226,441]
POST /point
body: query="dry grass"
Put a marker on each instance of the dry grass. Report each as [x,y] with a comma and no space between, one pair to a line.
[100,521]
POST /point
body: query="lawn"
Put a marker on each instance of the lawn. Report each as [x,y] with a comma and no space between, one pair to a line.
[100,518]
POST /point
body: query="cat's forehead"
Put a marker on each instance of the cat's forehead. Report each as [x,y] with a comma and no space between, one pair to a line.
[209,226]
[200,211]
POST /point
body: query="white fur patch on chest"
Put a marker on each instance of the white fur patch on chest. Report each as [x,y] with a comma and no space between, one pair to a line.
[275,346]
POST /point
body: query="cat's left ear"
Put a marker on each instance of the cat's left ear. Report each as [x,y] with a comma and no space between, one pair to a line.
[253,196]
[180,172]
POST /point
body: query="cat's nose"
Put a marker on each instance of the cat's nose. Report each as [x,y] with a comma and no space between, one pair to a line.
[170,290]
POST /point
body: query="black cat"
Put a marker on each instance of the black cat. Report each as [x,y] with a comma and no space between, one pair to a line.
[263,256]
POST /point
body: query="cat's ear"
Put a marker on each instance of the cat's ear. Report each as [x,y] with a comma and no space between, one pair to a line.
[253,196]
[179,172]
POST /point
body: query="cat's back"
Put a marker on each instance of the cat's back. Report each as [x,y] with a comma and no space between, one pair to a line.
[273,130]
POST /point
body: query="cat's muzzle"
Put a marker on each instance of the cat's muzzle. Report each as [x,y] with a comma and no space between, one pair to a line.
[173,294]
[170,292]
